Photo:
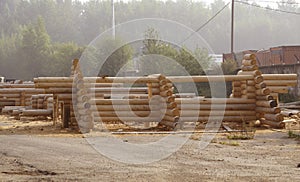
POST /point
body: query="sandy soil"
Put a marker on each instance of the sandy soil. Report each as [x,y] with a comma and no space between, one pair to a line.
[37,151]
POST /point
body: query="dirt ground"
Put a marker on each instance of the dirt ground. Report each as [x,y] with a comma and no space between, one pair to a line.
[37,151]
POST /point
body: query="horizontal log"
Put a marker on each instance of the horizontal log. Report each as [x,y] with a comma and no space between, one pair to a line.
[210,78]
[216,107]
[277,89]
[127,113]
[218,118]
[98,79]
[286,113]
[59,90]
[214,101]
[7,95]
[126,119]
[187,113]
[118,90]
[19,90]
[7,103]
[274,117]
[292,83]
[274,110]
[40,112]
[264,97]
[269,103]
[274,124]
[253,73]
[125,107]
[25,85]
[280,77]
[122,102]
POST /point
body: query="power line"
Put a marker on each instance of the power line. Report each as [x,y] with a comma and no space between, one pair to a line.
[207,22]
[267,8]
[277,2]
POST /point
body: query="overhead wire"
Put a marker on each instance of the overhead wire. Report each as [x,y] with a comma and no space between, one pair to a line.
[207,22]
[268,8]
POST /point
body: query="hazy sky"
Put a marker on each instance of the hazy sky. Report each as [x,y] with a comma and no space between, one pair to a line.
[271,3]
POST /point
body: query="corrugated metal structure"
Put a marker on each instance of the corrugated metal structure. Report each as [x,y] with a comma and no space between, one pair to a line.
[282,55]
[282,60]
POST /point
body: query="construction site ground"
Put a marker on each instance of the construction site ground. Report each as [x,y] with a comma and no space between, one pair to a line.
[33,150]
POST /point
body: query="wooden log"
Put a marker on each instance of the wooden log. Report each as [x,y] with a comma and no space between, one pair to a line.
[249,57]
[211,78]
[40,112]
[157,76]
[269,103]
[218,118]
[237,89]
[258,79]
[250,96]
[166,93]
[254,73]
[122,102]
[264,97]
[274,110]
[7,95]
[8,85]
[171,112]
[125,107]
[260,85]
[274,117]
[187,113]
[217,107]
[280,77]
[126,119]
[249,62]
[236,84]
[279,125]
[19,90]
[264,91]
[249,68]
[236,94]
[128,113]
[278,89]
[284,113]
[214,101]
[292,83]
[59,90]
[251,89]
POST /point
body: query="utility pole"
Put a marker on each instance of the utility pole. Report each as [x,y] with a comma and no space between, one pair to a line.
[113,20]
[232,26]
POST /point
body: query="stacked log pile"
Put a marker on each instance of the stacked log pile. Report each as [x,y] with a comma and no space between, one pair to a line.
[216,109]
[81,114]
[153,103]
[266,107]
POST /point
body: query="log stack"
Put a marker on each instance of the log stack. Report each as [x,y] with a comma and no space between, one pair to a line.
[164,89]
[216,109]
[81,114]
[266,107]
[155,104]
